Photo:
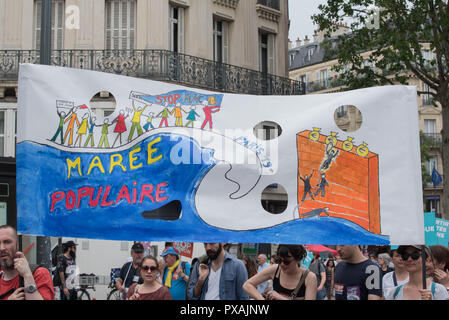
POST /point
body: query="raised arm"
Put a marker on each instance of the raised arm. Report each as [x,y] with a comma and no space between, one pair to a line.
[250,286]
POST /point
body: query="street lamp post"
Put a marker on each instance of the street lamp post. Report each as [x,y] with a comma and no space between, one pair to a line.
[43,246]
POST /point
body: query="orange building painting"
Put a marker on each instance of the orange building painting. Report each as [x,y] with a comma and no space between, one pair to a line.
[352,176]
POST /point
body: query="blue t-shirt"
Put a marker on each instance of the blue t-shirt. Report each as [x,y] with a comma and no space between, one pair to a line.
[178,285]
[357,281]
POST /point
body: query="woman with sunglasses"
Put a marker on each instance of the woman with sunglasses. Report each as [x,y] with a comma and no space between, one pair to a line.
[413,289]
[287,274]
[151,289]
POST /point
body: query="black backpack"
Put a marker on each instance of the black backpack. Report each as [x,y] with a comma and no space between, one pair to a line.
[55,257]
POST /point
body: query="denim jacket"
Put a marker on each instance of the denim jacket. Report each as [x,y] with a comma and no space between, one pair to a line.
[233,276]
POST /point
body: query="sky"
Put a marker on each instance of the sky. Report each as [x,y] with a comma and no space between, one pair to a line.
[300,12]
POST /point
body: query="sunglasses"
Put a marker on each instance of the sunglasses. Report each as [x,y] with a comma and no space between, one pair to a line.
[152,268]
[415,255]
[284,261]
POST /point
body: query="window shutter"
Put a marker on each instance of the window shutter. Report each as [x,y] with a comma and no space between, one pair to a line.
[37,24]
[171,28]
[181,30]
[58,23]
[271,54]
[225,37]
[108,25]
[124,35]
[132,25]
[115,24]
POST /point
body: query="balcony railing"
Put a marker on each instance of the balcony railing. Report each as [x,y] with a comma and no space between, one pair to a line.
[329,83]
[274,4]
[161,65]
[434,139]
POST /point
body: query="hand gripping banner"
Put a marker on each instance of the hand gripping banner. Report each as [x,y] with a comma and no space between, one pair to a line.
[173,163]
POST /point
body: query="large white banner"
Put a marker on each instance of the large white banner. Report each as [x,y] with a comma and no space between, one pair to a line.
[183,164]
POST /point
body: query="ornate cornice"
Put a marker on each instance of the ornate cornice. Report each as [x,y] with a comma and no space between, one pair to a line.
[227,3]
[268,13]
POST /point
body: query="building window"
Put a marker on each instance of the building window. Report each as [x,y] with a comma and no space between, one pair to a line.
[427,98]
[267,53]
[310,52]
[221,41]
[2,133]
[120,24]
[430,165]
[176,29]
[57,24]
[433,204]
[429,126]
[342,111]
[274,4]
[8,131]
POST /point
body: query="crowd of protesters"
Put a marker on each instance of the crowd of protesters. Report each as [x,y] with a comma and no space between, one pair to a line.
[219,275]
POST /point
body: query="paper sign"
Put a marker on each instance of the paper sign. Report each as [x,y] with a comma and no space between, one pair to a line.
[184,248]
[173,163]
[436,230]
[307,260]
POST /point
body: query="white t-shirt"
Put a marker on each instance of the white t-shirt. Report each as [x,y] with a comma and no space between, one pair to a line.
[440,293]
[213,285]
[388,283]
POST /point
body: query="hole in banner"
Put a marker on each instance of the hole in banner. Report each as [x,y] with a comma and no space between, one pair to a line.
[348,118]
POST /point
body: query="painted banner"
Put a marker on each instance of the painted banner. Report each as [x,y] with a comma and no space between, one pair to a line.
[173,163]
[185,249]
[437,230]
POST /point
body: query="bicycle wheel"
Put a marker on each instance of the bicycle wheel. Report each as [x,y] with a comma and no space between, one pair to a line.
[83,295]
[114,295]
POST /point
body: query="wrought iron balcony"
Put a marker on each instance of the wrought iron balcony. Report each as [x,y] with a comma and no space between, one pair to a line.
[433,139]
[323,84]
[162,65]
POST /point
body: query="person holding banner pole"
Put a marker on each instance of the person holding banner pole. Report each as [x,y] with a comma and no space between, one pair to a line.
[419,287]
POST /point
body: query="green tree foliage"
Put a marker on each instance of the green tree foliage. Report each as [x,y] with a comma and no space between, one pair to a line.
[426,144]
[399,39]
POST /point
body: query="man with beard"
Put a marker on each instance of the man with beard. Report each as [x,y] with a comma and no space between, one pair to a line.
[219,277]
[67,271]
[129,272]
[37,285]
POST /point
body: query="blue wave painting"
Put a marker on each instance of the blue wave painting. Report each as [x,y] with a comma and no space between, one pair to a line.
[122,195]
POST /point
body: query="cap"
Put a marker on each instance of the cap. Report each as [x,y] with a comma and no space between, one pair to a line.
[69,244]
[401,249]
[169,250]
[137,247]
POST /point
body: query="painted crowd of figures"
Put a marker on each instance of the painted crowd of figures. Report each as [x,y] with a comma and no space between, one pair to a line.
[69,118]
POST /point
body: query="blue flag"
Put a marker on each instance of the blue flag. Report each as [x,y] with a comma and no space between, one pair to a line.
[436,177]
